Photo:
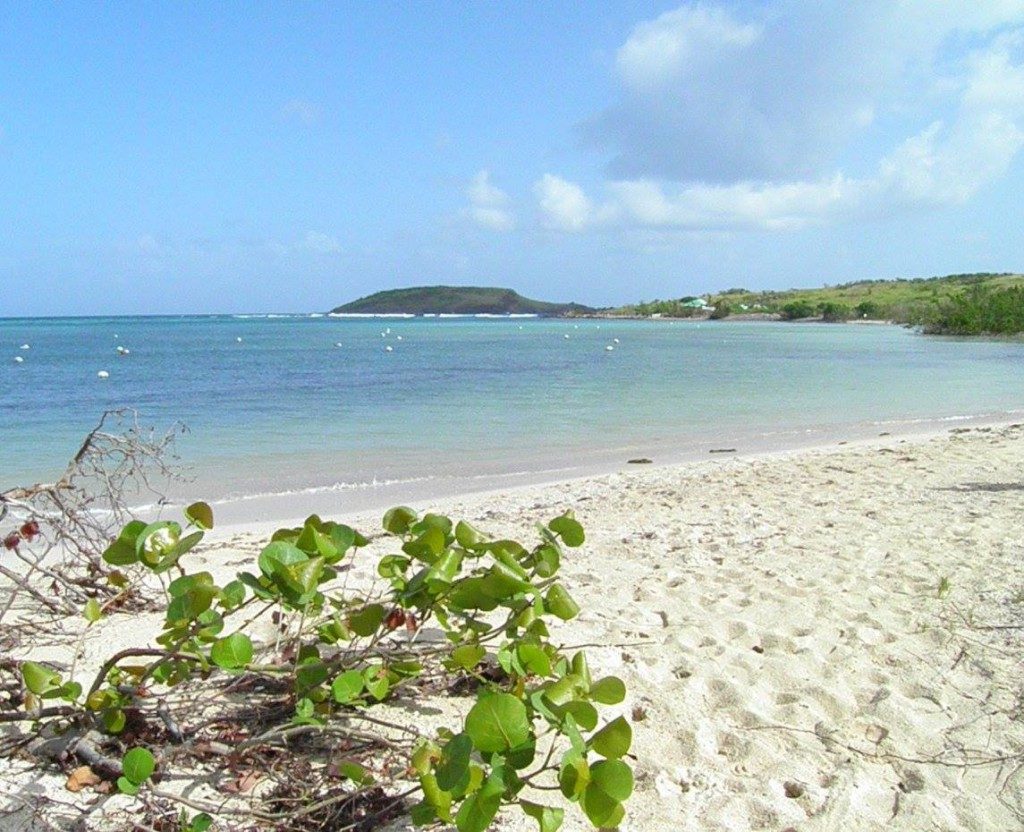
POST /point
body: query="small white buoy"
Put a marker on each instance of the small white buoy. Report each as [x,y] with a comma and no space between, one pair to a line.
[26,347]
[389,349]
[575,326]
[126,352]
[566,336]
[103,374]
[388,330]
[239,339]
[115,336]
[520,326]
[609,348]
[615,340]
[398,337]
[337,343]
[19,360]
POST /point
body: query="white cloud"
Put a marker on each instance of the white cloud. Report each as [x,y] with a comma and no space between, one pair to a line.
[723,148]
[302,111]
[489,204]
[564,205]
[320,243]
[663,50]
[781,90]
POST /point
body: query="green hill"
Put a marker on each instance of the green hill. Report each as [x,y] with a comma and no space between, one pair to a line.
[920,301]
[456,300]
[914,301]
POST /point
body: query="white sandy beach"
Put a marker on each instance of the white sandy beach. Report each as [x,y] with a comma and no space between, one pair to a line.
[790,660]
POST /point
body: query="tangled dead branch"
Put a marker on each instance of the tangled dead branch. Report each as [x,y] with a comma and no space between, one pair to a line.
[54,533]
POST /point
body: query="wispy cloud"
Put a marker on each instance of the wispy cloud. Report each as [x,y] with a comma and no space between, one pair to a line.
[320,243]
[731,124]
[302,111]
[488,204]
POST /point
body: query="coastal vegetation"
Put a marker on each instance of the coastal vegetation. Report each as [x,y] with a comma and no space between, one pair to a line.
[980,310]
[914,301]
[959,304]
[455,300]
[327,716]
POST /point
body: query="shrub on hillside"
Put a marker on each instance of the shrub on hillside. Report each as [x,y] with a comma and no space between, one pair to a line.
[796,309]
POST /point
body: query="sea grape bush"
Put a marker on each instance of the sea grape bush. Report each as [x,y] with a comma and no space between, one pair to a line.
[457,603]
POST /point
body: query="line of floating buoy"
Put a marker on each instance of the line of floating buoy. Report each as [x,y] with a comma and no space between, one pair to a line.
[102,374]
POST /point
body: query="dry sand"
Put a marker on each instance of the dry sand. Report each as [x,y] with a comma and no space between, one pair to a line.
[791,660]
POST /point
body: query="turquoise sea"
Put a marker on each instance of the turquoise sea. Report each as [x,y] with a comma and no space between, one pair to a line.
[315,405]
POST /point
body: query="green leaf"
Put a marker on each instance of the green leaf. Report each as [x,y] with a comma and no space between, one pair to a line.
[138,764]
[233,594]
[549,818]
[367,621]
[173,555]
[573,777]
[498,722]
[310,674]
[568,529]
[343,537]
[427,546]
[468,656]
[534,659]
[126,786]
[354,772]
[201,515]
[200,823]
[114,720]
[156,539]
[347,686]
[279,552]
[613,777]
[477,811]
[467,536]
[614,739]
[122,551]
[435,797]
[608,691]
[189,606]
[393,566]
[397,520]
[560,603]
[584,713]
[92,611]
[376,681]
[453,768]
[39,678]
[232,652]
[179,586]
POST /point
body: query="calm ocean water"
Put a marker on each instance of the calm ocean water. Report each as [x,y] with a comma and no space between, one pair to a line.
[278,405]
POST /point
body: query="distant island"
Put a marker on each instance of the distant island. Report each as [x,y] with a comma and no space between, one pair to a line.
[456,300]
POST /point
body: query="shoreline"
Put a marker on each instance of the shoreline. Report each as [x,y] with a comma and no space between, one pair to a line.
[346,500]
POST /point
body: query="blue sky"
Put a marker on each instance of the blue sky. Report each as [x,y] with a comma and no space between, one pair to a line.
[176,157]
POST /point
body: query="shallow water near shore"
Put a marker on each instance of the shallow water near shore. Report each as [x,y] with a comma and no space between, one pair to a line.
[316,407]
